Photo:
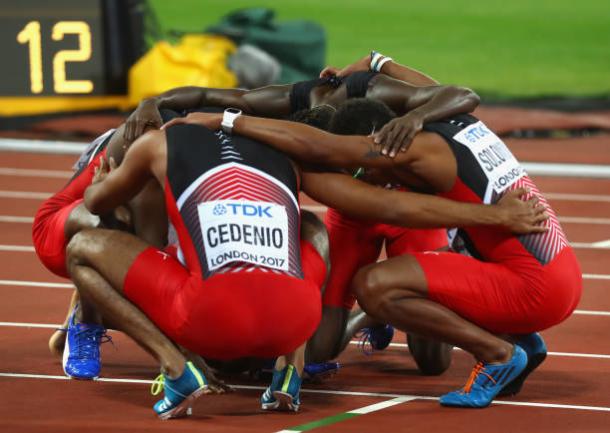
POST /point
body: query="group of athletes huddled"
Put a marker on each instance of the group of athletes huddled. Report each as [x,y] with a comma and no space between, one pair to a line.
[183,229]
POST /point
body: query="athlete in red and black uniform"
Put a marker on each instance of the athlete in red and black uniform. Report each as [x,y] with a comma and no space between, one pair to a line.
[245,285]
[515,285]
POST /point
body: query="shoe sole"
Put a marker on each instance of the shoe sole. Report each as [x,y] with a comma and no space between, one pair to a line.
[284,402]
[270,406]
[184,408]
[514,387]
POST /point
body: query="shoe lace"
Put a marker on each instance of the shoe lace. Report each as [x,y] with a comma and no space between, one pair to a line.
[158,385]
[365,344]
[88,340]
[478,370]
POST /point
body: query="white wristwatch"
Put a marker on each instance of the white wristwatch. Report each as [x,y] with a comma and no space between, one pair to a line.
[228,117]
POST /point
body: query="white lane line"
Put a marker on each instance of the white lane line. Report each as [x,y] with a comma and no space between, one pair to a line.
[592,313]
[595,277]
[42,146]
[407,397]
[567,170]
[577,197]
[590,246]
[602,244]
[29,325]
[17,248]
[36,284]
[25,172]
[583,220]
[30,195]
[562,354]
[16,219]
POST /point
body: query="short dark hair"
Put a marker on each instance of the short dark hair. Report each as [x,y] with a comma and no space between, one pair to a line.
[318,117]
[359,116]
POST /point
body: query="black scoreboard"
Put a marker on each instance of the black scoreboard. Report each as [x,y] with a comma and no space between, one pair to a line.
[68,48]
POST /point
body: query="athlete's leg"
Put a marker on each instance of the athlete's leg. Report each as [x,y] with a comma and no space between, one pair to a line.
[396,292]
[351,246]
[432,357]
[98,261]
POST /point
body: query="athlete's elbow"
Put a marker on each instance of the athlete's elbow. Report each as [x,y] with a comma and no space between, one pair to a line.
[470,98]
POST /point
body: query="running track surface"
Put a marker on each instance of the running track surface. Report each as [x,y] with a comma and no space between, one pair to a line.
[569,393]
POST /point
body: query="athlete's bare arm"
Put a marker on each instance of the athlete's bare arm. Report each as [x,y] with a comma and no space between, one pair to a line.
[408,209]
[412,94]
[391,68]
[272,101]
[305,143]
[144,161]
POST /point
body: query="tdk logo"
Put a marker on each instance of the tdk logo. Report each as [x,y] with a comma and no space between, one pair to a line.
[219,210]
[249,210]
[476,132]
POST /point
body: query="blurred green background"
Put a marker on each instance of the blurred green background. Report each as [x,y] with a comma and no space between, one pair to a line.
[501,48]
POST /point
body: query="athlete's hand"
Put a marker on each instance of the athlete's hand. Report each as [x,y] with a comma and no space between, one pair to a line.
[102,170]
[359,65]
[145,116]
[215,385]
[209,120]
[397,135]
[523,216]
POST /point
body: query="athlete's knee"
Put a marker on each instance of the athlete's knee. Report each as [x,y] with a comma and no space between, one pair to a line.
[82,247]
[368,287]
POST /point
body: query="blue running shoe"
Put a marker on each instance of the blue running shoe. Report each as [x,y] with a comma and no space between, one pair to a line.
[486,381]
[535,348]
[179,393]
[316,372]
[81,359]
[377,337]
[268,401]
[283,394]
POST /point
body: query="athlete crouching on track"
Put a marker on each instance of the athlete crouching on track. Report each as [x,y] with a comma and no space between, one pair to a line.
[510,284]
[64,214]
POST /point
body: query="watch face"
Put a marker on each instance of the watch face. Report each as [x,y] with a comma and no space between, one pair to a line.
[55,48]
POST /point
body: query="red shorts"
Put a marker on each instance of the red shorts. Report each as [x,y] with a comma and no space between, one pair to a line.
[49,236]
[229,315]
[516,297]
[48,233]
[354,244]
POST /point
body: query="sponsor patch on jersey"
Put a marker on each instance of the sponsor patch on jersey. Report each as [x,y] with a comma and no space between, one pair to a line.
[244,231]
[497,162]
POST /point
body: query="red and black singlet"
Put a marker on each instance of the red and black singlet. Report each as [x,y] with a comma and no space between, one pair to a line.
[233,203]
[486,171]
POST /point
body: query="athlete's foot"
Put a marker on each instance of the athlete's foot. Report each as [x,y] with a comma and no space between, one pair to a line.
[58,341]
[283,393]
[81,356]
[536,351]
[180,393]
[486,381]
